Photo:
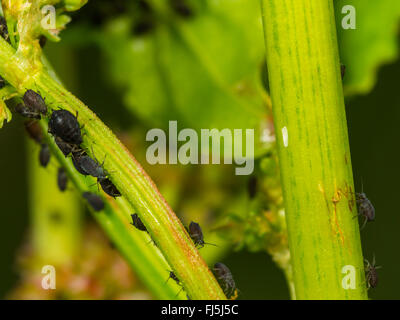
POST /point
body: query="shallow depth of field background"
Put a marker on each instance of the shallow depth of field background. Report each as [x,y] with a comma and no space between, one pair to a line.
[374,131]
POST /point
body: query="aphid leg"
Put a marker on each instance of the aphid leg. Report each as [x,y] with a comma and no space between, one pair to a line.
[179,292]
[364,224]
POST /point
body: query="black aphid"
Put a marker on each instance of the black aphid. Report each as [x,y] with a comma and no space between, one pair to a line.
[44,155]
[225,279]
[64,124]
[62,179]
[2,82]
[4,29]
[34,101]
[88,166]
[196,234]
[76,163]
[42,41]
[27,112]
[137,223]
[365,208]
[109,187]
[342,70]
[181,7]
[252,187]
[173,276]
[371,274]
[95,201]
[34,131]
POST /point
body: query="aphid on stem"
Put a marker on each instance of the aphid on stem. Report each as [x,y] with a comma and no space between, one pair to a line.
[62,179]
[137,223]
[95,201]
[34,131]
[371,274]
[196,234]
[34,101]
[225,279]
[365,207]
[109,187]
[44,155]
[64,124]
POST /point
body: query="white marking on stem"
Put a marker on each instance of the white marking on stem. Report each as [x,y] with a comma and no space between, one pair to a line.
[285,137]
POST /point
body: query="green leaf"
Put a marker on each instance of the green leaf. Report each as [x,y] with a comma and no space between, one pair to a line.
[372,44]
[203,72]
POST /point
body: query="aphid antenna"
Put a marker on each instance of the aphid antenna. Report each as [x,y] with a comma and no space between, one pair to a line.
[374,261]
[362,185]
[96,183]
[179,292]
[169,276]
[211,244]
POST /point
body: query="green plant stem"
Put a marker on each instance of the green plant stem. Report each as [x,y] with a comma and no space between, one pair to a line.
[56,216]
[128,176]
[144,258]
[313,147]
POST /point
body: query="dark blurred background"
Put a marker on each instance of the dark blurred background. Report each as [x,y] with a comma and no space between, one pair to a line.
[374,130]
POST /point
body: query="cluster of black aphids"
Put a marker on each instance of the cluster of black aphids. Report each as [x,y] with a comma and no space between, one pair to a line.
[66,130]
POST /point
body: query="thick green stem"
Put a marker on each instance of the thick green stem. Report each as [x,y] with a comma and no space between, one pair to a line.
[313,147]
[129,177]
[134,245]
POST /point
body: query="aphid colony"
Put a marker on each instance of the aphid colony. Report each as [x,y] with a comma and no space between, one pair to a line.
[221,271]
[66,130]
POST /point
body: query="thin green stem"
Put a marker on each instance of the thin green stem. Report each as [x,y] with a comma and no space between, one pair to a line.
[313,147]
[56,216]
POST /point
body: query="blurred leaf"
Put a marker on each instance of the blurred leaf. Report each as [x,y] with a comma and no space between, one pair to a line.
[371,44]
[203,72]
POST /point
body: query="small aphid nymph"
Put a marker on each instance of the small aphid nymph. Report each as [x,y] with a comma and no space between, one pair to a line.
[95,201]
[44,155]
[34,131]
[109,187]
[2,82]
[42,41]
[173,276]
[371,274]
[342,70]
[137,223]
[62,179]
[35,102]
[4,29]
